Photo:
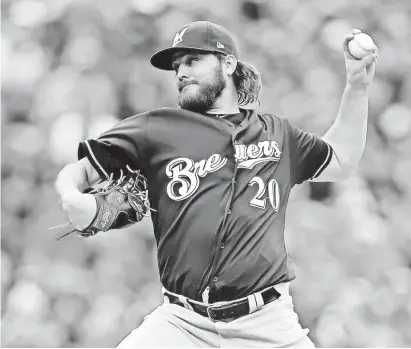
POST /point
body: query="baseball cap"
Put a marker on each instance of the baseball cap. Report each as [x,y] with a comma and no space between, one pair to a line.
[201,36]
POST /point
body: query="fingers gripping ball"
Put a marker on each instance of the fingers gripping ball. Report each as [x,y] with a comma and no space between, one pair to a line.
[361,45]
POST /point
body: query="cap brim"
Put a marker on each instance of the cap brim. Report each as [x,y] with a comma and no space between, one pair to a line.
[164,59]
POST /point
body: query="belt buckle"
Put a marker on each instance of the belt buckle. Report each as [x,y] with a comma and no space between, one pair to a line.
[208,311]
[187,305]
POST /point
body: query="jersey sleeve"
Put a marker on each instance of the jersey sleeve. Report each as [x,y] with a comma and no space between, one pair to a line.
[309,155]
[124,144]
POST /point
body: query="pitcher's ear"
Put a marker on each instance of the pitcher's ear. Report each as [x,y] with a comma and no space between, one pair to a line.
[230,63]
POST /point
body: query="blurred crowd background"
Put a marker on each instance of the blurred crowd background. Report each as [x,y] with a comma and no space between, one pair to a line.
[73,68]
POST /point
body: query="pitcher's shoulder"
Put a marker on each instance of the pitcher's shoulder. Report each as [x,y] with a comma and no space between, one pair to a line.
[274,119]
[164,111]
[272,116]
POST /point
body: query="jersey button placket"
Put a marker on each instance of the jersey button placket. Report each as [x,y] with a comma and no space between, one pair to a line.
[215,279]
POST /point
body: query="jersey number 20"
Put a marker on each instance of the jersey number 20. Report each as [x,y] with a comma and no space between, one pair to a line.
[273,193]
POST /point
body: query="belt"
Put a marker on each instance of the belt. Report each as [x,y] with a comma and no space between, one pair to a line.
[230,310]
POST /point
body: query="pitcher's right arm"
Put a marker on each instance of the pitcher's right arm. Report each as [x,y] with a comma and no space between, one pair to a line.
[71,182]
[122,146]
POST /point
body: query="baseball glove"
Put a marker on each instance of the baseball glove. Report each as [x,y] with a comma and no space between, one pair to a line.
[120,203]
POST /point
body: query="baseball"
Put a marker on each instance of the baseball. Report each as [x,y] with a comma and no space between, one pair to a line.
[361,45]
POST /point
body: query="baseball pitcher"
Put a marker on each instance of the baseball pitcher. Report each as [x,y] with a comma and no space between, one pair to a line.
[218,177]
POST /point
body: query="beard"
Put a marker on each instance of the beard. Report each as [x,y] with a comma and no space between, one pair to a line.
[206,94]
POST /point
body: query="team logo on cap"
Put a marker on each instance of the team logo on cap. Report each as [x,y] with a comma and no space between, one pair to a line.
[179,37]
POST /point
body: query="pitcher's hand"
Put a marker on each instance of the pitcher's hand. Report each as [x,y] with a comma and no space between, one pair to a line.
[80,209]
[360,72]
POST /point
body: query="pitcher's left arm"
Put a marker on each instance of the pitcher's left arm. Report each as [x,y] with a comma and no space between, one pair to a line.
[347,135]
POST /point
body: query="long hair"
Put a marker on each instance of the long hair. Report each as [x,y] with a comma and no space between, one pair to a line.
[247,81]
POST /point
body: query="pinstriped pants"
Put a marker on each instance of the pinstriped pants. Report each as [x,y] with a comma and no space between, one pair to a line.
[170,325]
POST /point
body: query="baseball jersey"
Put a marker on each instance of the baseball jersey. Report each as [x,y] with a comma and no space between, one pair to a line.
[219,188]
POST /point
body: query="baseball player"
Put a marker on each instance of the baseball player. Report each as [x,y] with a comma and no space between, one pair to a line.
[219,177]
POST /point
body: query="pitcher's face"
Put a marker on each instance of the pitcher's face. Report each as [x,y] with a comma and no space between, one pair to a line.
[200,80]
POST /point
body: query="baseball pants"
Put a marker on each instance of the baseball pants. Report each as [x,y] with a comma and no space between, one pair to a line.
[170,325]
